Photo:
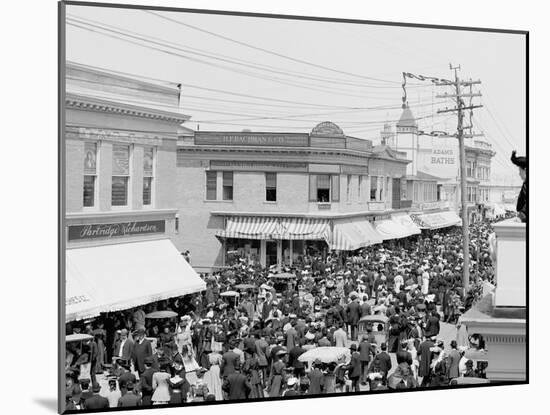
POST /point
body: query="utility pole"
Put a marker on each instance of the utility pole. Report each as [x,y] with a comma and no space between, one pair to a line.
[460,108]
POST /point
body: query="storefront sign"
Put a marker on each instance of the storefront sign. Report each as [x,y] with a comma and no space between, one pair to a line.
[252,139]
[114,230]
[269,166]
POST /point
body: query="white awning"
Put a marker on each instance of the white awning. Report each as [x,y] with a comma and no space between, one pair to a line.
[437,220]
[121,276]
[400,225]
[352,234]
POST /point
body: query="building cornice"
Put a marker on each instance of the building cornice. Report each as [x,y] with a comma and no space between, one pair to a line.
[299,151]
[83,102]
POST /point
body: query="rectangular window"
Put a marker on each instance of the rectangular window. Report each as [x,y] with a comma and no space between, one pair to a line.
[373,187]
[323,188]
[90,156]
[227,185]
[148,163]
[211,184]
[380,189]
[121,175]
[271,187]
[359,186]
[348,188]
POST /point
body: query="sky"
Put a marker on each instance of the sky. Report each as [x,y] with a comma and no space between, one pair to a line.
[267,74]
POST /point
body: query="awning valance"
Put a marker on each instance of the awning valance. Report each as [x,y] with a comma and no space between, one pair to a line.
[121,276]
[352,234]
[276,228]
[398,226]
[437,220]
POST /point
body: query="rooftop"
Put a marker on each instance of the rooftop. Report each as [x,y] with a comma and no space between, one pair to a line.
[407,118]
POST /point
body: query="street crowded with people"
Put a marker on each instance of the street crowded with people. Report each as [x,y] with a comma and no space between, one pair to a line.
[383,317]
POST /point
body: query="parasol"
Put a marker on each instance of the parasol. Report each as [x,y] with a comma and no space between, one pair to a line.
[230,294]
[245,287]
[283,275]
[162,314]
[77,337]
[325,354]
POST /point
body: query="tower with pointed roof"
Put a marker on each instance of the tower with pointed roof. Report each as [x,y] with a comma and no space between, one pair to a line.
[406,138]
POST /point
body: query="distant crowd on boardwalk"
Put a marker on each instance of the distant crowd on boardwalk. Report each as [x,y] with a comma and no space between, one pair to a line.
[366,320]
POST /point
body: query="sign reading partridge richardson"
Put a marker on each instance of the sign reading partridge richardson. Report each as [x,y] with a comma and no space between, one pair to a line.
[114,230]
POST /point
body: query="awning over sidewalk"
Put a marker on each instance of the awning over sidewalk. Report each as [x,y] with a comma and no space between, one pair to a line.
[352,234]
[276,228]
[121,276]
[397,227]
[437,220]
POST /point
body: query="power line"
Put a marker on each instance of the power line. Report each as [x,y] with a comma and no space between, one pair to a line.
[225,58]
[269,51]
[263,77]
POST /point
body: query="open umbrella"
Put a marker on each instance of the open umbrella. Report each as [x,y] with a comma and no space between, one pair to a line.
[162,314]
[230,294]
[245,286]
[283,275]
[77,337]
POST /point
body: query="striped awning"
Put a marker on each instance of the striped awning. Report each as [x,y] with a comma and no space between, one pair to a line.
[352,234]
[397,227]
[437,220]
[251,228]
[305,229]
[259,227]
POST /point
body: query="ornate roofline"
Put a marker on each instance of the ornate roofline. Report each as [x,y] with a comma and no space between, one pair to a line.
[83,102]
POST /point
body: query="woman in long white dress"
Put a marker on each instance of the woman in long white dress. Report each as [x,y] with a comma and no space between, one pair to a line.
[213,377]
[161,394]
[414,354]
[190,365]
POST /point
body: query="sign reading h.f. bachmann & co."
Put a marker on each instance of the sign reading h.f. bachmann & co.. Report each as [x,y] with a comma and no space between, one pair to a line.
[114,230]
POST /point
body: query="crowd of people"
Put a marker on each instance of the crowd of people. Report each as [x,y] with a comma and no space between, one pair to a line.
[226,346]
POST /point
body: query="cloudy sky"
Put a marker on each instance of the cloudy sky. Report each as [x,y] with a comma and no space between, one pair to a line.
[268,74]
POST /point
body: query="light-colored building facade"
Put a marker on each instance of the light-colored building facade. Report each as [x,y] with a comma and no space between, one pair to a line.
[120,148]
[277,183]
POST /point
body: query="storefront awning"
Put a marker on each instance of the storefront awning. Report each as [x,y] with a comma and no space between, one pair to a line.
[276,228]
[397,227]
[352,234]
[121,276]
[437,220]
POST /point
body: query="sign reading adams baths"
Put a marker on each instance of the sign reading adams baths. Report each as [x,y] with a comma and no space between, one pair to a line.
[114,230]
[251,139]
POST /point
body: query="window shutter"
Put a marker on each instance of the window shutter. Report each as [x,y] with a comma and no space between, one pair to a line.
[312,188]
[335,188]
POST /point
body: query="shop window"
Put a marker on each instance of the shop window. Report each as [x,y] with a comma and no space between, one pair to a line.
[121,175]
[90,157]
[271,187]
[227,185]
[148,163]
[373,187]
[211,183]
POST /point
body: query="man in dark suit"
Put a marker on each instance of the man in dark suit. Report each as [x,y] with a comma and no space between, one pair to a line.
[230,360]
[96,401]
[146,381]
[126,376]
[354,368]
[236,385]
[521,205]
[316,379]
[432,325]
[123,347]
[425,358]
[364,357]
[365,307]
[383,360]
[353,315]
[142,349]
[293,361]
[130,398]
